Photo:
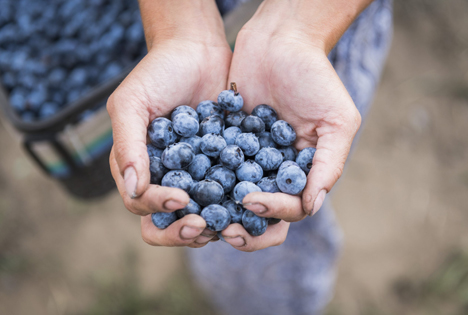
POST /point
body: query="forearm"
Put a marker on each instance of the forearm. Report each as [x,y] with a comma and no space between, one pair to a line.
[321,21]
[193,20]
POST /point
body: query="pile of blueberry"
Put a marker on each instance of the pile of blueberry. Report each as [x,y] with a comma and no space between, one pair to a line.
[218,159]
[54,51]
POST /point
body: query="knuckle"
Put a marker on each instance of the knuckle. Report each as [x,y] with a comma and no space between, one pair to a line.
[247,248]
[127,202]
[110,105]
[130,205]
[337,172]
[280,240]
[197,245]
[357,119]
[147,239]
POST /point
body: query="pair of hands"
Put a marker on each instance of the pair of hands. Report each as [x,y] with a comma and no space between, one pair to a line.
[286,70]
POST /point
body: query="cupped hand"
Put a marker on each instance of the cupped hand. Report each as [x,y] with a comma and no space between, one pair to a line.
[289,72]
[173,73]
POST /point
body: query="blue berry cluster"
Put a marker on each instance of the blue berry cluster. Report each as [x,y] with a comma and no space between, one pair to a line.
[219,158]
[53,52]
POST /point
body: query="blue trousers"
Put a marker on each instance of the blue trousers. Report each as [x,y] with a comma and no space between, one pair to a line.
[298,276]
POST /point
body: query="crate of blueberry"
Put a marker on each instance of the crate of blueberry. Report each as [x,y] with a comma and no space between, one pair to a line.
[54,53]
[59,62]
[218,154]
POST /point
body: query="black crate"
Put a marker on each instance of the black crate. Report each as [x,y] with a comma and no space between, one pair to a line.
[84,178]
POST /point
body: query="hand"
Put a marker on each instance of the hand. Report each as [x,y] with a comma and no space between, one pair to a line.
[286,69]
[175,72]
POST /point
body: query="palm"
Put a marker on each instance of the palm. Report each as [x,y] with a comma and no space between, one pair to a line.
[172,75]
[294,78]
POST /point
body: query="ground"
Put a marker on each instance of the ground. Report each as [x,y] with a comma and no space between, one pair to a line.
[401,203]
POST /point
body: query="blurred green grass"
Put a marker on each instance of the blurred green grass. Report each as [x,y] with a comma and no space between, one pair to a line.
[123,295]
[443,292]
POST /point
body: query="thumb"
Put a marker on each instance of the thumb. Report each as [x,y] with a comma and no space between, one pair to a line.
[129,127]
[333,147]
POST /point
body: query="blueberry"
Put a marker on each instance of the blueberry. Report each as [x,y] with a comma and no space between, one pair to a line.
[178,156]
[252,124]
[194,141]
[248,142]
[153,151]
[178,179]
[200,164]
[288,153]
[57,76]
[291,179]
[163,219]
[209,108]
[253,224]
[194,182]
[207,192]
[230,134]
[28,116]
[212,124]
[184,109]
[265,140]
[287,163]
[185,125]
[212,145]
[231,157]
[269,159]
[235,210]
[77,77]
[267,114]
[249,171]
[230,100]
[157,170]
[268,184]
[273,221]
[18,100]
[222,175]
[217,217]
[112,70]
[235,118]
[242,189]
[161,133]
[304,159]
[282,133]
[191,208]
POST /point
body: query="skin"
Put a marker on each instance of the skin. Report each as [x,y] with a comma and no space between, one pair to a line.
[280,59]
[189,49]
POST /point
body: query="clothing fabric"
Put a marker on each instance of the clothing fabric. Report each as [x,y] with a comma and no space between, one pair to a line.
[298,276]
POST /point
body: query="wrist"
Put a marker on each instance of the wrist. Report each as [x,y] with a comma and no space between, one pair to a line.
[318,23]
[184,20]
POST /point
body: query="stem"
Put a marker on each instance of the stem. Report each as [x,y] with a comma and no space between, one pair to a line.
[234,87]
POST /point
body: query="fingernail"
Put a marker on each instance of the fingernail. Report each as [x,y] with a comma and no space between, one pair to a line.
[318,201]
[189,232]
[235,241]
[208,233]
[173,205]
[130,180]
[256,207]
[220,236]
[203,239]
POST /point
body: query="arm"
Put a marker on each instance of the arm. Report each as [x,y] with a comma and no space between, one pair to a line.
[187,62]
[281,60]
[191,20]
[321,23]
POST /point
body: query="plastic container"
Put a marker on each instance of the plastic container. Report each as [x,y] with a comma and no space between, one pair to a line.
[73,145]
